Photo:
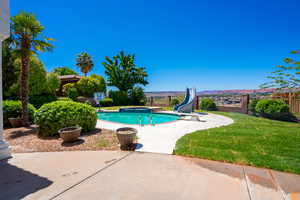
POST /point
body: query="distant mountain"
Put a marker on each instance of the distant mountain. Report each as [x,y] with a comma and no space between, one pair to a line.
[210,92]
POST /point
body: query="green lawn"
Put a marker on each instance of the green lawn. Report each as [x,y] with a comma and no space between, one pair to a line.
[250,140]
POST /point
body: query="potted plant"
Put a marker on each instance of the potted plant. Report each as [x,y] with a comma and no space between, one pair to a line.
[70,134]
[126,136]
[15,122]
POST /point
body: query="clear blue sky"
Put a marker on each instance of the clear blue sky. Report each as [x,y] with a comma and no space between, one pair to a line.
[207,44]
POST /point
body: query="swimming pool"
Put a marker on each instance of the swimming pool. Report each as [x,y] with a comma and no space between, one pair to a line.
[137,118]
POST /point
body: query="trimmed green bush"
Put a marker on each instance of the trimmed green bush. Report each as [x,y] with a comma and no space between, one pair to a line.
[13,109]
[208,104]
[60,114]
[137,96]
[38,100]
[175,102]
[120,98]
[252,106]
[67,86]
[106,102]
[273,109]
[72,93]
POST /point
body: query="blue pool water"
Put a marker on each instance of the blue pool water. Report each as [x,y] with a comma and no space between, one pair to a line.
[137,118]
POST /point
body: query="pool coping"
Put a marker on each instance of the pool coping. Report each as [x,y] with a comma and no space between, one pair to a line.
[142,124]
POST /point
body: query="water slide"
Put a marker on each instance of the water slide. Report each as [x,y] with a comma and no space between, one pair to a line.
[187,105]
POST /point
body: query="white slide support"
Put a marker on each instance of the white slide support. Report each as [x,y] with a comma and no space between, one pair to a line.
[187,106]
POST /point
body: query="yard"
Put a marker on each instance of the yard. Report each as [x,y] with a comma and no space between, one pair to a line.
[249,141]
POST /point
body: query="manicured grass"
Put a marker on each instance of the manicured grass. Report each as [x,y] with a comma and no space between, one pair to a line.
[250,140]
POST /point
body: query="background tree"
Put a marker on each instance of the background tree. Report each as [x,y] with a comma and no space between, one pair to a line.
[123,73]
[9,69]
[27,37]
[61,71]
[42,85]
[286,77]
[84,62]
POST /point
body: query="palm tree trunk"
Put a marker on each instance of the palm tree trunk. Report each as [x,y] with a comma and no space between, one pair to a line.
[25,84]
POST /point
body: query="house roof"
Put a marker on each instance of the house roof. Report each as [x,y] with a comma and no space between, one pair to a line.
[69,77]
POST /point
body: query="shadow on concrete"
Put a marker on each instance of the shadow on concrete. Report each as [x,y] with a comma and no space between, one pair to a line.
[202,113]
[220,167]
[17,183]
[132,147]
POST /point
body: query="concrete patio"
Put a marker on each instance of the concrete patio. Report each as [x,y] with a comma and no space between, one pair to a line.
[162,138]
[136,175]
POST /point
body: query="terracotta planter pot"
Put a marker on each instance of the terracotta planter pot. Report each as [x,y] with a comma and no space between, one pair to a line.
[70,134]
[126,136]
[15,122]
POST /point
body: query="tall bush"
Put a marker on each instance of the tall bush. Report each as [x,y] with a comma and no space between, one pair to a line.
[137,96]
[60,114]
[208,104]
[274,109]
[106,102]
[120,98]
[87,86]
[41,99]
[252,106]
[13,109]
[175,102]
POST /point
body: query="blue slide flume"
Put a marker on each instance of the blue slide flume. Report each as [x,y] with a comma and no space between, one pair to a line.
[187,105]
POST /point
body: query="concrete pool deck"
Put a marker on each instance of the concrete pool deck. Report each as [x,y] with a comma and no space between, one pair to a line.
[113,175]
[161,138]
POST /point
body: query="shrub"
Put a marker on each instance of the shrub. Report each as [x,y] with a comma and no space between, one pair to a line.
[137,96]
[252,105]
[60,114]
[67,86]
[208,104]
[106,102]
[274,109]
[72,93]
[38,100]
[174,102]
[13,109]
[87,86]
[120,98]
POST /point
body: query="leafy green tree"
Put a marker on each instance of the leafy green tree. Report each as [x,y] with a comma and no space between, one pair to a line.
[61,71]
[84,62]
[53,83]
[286,77]
[37,78]
[87,86]
[9,69]
[100,82]
[123,73]
[28,40]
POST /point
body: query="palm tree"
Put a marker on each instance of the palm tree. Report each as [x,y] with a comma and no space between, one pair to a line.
[27,41]
[84,62]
